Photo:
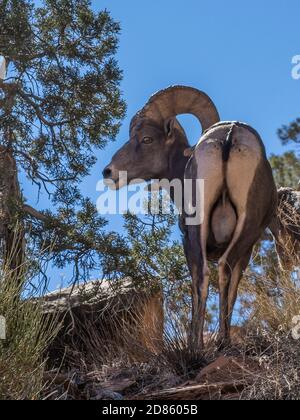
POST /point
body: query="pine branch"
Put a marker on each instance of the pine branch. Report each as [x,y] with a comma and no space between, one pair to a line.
[34,213]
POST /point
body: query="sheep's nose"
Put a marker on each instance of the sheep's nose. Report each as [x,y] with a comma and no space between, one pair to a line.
[107,172]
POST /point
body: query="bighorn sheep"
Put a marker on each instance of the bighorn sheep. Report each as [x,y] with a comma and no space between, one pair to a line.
[158,142]
[240,194]
[239,202]
[285,228]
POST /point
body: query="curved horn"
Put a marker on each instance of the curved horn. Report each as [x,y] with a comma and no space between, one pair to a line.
[177,100]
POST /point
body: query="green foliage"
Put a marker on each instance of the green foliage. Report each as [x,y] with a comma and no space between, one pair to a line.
[286,169]
[290,132]
[75,236]
[60,104]
[152,258]
[23,352]
[155,258]
[65,87]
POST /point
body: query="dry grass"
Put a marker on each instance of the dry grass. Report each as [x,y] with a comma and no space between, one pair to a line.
[289,219]
[273,307]
[273,326]
[279,357]
[115,360]
[22,353]
[107,371]
[177,353]
[127,370]
[276,302]
[110,368]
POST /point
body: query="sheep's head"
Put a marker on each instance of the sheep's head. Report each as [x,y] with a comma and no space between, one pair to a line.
[156,138]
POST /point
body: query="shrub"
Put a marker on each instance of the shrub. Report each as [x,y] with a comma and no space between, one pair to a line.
[22,353]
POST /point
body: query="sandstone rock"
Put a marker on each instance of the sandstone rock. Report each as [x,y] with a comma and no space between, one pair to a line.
[98,316]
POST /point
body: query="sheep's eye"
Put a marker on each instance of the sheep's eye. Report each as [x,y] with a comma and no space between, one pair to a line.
[147,140]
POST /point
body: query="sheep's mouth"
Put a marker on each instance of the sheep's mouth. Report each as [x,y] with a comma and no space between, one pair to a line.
[119,182]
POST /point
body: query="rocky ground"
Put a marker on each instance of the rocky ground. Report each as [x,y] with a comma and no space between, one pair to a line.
[225,378]
[113,347]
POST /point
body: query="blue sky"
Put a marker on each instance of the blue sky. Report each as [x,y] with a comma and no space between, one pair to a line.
[240,53]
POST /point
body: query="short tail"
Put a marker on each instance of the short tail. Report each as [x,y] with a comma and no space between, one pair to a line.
[228,144]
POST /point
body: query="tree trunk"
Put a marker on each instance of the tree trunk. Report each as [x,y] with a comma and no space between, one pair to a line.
[11,226]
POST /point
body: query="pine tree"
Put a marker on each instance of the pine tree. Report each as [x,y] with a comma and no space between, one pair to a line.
[59,103]
[286,169]
[290,133]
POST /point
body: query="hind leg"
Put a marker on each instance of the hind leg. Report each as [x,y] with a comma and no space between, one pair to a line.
[231,266]
[195,248]
[236,277]
[204,233]
[225,273]
[241,172]
[208,166]
[192,249]
[204,287]
[234,273]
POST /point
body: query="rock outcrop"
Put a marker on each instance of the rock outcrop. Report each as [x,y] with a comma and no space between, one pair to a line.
[101,316]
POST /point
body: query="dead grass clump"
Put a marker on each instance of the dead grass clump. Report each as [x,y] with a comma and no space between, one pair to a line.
[22,352]
[179,356]
[274,339]
[115,363]
[279,358]
[288,245]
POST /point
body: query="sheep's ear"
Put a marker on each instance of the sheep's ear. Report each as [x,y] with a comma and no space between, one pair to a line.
[189,151]
[169,128]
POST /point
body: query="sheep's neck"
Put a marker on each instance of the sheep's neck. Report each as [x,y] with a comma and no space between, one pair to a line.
[177,166]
